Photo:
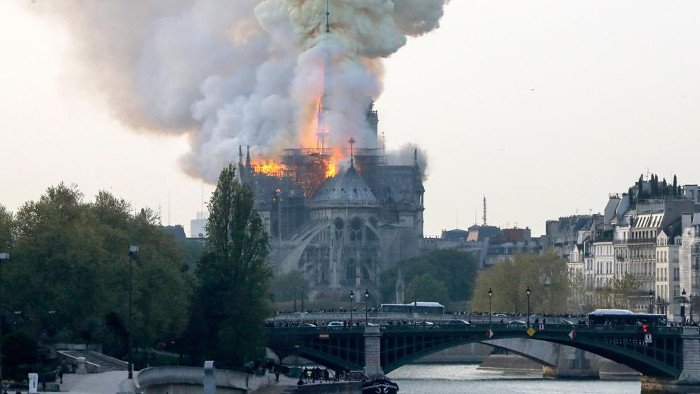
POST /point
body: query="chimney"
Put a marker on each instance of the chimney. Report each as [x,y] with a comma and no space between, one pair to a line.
[686,220]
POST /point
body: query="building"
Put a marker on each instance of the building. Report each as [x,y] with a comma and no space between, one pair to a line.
[643,233]
[198,226]
[341,227]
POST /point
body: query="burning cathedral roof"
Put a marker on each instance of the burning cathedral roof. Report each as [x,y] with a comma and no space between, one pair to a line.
[345,189]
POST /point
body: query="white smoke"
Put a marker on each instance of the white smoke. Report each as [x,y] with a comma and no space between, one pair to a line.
[247,72]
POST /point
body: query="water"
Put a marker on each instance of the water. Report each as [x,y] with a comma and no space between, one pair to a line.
[457,379]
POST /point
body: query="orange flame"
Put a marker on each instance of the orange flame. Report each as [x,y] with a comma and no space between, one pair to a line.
[268,167]
[331,169]
[332,164]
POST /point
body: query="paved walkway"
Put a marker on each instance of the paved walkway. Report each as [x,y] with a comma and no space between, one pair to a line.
[99,383]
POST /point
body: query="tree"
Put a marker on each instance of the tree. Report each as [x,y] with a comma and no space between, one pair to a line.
[426,288]
[234,277]
[545,273]
[5,230]
[289,286]
[456,269]
[675,185]
[69,270]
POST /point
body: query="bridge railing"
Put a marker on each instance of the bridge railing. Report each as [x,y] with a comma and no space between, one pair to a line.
[552,327]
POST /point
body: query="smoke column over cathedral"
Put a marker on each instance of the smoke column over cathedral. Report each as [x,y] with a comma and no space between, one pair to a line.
[243,72]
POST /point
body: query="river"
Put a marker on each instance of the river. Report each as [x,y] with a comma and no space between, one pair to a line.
[457,379]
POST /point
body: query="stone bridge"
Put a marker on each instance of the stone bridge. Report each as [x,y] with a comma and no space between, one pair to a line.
[671,358]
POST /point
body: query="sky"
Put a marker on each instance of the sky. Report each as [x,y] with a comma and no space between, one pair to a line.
[543,107]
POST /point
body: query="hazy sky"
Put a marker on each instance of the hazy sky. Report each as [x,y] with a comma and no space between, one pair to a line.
[543,106]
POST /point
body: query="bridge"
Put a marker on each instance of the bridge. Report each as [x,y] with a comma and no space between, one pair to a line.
[668,355]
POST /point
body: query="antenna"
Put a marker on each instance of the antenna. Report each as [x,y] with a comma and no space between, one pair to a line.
[484,217]
[328,15]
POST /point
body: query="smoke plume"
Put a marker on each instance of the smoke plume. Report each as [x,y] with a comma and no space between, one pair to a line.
[243,72]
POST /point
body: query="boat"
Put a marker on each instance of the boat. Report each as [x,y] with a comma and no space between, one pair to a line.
[379,386]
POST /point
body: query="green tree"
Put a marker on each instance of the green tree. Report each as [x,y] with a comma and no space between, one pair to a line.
[289,286]
[234,277]
[618,293]
[545,273]
[426,288]
[456,269]
[70,269]
[6,224]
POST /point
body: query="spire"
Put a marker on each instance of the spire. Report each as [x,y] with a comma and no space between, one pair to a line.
[352,141]
[328,15]
[484,217]
[240,156]
[415,157]
[247,158]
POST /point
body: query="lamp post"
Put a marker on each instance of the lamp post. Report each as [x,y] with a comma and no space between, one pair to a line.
[352,298]
[133,250]
[302,294]
[651,301]
[3,257]
[690,303]
[527,291]
[683,307]
[366,305]
[490,312]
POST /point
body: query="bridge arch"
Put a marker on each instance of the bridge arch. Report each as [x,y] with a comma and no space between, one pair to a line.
[400,345]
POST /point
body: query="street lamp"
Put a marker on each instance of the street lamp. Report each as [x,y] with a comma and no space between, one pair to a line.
[690,302]
[352,298]
[302,294]
[651,301]
[527,291]
[3,257]
[683,307]
[133,250]
[490,313]
[366,305]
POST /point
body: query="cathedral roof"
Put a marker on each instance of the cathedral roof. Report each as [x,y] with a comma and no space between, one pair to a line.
[345,189]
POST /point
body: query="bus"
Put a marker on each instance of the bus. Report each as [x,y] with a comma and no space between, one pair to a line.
[423,307]
[623,317]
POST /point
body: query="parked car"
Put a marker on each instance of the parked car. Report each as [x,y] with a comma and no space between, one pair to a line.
[336,324]
[517,323]
[308,325]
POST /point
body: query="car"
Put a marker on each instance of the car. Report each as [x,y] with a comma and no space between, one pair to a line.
[500,315]
[457,322]
[568,322]
[336,324]
[517,323]
[308,325]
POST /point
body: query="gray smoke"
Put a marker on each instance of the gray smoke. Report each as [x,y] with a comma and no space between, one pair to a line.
[243,72]
[407,155]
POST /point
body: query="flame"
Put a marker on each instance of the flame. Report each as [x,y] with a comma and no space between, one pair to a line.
[268,167]
[332,164]
[331,169]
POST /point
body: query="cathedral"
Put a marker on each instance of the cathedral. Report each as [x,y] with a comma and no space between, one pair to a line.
[339,228]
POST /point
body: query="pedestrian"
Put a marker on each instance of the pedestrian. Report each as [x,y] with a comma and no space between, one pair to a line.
[277,375]
[60,373]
